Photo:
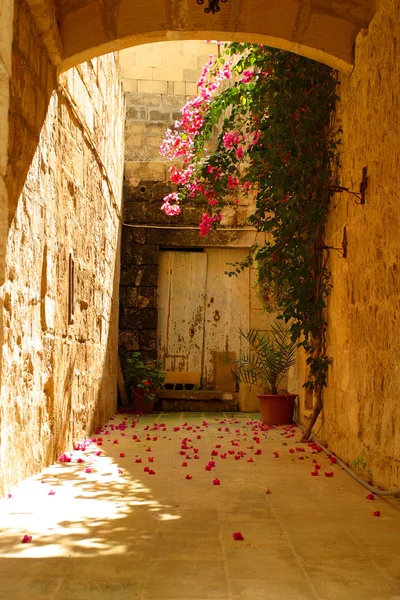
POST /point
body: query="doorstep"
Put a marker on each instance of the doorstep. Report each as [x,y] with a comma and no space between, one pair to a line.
[197,400]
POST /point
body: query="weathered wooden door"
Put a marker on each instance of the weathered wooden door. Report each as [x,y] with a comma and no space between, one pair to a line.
[200,308]
[181,294]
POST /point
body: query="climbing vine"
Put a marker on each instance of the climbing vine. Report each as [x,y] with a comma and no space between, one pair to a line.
[276,142]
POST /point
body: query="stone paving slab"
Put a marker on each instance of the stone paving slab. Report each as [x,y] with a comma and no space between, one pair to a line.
[106,528]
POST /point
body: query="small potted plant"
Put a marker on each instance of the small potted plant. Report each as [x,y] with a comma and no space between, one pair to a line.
[143,377]
[266,364]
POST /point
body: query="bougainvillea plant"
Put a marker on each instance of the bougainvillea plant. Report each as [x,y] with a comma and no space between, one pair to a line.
[276,142]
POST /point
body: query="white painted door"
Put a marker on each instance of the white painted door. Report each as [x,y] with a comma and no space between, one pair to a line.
[200,308]
[227,306]
[181,294]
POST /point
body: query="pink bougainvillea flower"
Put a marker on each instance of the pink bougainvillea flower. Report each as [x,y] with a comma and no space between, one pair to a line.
[80,460]
[98,453]
[120,471]
[134,437]
[315,473]
[333,460]
[150,459]
[291,450]
[51,493]
[216,482]
[198,437]
[212,463]
[318,467]
[195,450]
[208,467]
[184,464]
[26,539]
[214,453]
[88,470]
[223,455]
[377,513]
[238,457]
[182,452]
[276,454]
[370,497]
[146,469]
[250,460]
[122,455]
[218,446]
[9,496]
[258,452]
[196,456]
[138,460]
[189,476]
[115,442]
[300,458]
[238,537]
[148,449]
[231,452]
[329,474]
[151,472]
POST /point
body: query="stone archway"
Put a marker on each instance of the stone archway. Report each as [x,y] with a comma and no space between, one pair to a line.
[77,30]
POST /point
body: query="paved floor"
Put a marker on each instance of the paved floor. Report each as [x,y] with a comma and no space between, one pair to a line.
[128,535]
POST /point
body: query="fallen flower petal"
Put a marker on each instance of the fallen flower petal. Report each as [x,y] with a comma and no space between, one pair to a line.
[315,473]
[258,452]
[216,482]
[329,474]
[151,472]
[138,460]
[88,470]
[122,455]
[146,469]
[377,513]
[276,454]
[120,471]
[250,460]
[333,460]
[150,459]
[238,536]
[370,497]
[208,467]
[188,477]
[26,539]
[51,493]
[98,453]
[184,464]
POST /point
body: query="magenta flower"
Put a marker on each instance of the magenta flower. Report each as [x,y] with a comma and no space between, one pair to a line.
[88,470]
[333,460]
[377,513]
[150,459]
[184,464]
[98,453]
[151,472]
[188,476]
[216,482]
[120,471]
[26,539]
[315,473]
[258,452]
[148,449]
[329,474]
[9,496]
[250,460]
[370,497]
[238,537]
[146,469]
[214,453]
[122,455]
[196,456]
[138,460]
[64,458]
[51,493]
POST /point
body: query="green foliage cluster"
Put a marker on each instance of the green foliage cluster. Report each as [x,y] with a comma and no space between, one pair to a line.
[286,109]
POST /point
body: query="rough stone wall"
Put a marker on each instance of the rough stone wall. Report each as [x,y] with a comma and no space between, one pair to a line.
[6,29]
[362,408]
[59,345]
[158,80]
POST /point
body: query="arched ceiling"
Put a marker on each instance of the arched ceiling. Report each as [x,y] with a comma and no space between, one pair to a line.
[325,30]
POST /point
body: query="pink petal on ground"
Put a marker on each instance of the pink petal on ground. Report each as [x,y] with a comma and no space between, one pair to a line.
[88,470]
[150,459]
[122,455]
[315,473]
[216,482]
[98,453]
[377,513]
[26,539]
[120,471]
[329,474]
[238,537]
[151,472]
[184,464]
[370,497]
[51,493]
[138,460]
[188,477]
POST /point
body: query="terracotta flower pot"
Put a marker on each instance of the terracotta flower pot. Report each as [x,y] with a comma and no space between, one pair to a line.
[141,404]
[276,409]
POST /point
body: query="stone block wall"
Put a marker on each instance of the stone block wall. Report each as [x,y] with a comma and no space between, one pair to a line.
[362,408]
[59,300]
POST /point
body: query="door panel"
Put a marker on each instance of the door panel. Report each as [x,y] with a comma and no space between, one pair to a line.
[182,285]
[227,306]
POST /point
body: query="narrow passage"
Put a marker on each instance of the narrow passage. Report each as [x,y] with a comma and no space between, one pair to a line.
[197,506]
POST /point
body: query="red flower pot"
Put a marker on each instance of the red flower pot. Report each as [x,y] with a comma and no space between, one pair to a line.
[141,401]
[276,409]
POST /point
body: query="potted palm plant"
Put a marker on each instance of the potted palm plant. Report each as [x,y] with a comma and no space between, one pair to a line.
[144,377]
[266,364]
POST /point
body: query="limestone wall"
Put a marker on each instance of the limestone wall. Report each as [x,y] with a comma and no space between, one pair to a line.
[362,407]
[60,296]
